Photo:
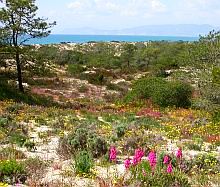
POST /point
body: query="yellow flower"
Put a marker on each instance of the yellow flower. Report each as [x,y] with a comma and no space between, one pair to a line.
[3,184]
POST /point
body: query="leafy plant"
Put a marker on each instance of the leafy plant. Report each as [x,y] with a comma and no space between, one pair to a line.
[74,69]
[143,175]
[162,92]
[120,130]
[83,162]
[82,139]
[12,172]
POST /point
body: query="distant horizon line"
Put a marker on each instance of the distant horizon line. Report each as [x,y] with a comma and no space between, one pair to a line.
[125,35]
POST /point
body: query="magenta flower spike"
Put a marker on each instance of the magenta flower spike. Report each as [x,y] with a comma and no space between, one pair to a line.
[169,168]
[113,153]
[166,159]
[179,153]
[127,163]
[152,159]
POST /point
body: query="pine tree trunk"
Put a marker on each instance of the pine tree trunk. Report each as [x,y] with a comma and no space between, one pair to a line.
[19,73]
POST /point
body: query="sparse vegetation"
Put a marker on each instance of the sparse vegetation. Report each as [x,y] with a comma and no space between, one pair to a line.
[88,108]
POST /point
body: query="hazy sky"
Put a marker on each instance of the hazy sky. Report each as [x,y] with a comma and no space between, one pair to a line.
[116,14]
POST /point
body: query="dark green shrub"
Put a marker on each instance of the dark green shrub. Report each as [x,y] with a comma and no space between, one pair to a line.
[3,121]
[120,130]
[74,69]
[216,75]
[78,139]
[12,172]
[18,139]
[97,145]
[30,145]
[83,162]
[216,116]
[162,92]
[94,78]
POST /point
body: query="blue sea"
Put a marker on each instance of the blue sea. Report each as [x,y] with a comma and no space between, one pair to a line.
[56,39]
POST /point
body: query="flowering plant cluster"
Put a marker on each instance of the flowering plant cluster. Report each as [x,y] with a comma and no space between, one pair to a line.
[147,169]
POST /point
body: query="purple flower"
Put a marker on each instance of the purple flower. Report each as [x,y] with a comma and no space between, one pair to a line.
[139,153]
[169,168]
[127,163]
[113,153]
[166,159]
[179,153]
[152,159]
[134,161]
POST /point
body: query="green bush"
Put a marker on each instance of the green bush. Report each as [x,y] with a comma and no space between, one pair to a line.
[83,162]
[120,130]
[17,138]
[216,75]
[82,139]
[94,78]
[12,172]
[74,69]
[162,92]
[3,121]
[97,145]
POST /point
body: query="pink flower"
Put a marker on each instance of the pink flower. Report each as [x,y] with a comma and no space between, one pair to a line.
[152,159]
[134,161]
[169,168]
[113,153]
[166,159]
[179,153]
[139,153]
[127,163]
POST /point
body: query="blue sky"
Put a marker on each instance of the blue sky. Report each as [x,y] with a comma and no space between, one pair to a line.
[117,14]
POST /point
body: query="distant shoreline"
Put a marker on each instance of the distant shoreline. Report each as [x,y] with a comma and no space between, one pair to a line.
[60,38]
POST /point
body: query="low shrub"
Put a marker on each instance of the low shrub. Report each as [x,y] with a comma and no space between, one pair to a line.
[12,172]
[120,130]
[207,162]
[82,139]
[83,162]
[162,92]
[159,177]
[17,138]
[97,78]
[155,171]
[74,69]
